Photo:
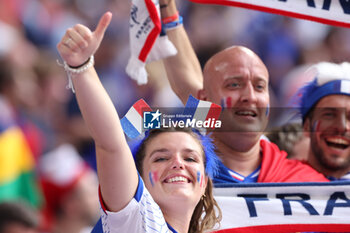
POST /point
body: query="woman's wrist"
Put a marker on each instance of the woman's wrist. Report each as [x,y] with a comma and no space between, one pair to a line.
[170,15]
[75,70]
[175,23]
[81,68]
[167,8]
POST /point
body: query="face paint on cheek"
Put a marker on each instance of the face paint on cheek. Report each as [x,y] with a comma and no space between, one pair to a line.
[153,177]
[199,178]
[150,178]
[267,110]
[316,126]
[226,102]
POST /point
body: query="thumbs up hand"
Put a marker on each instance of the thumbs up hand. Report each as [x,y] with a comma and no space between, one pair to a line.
[79,42]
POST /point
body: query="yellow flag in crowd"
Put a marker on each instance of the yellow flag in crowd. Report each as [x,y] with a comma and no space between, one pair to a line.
[17,175]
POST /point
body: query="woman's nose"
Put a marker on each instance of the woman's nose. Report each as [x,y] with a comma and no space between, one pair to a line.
[177,163]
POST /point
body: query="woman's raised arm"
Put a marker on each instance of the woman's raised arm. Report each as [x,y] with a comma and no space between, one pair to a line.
[116,169]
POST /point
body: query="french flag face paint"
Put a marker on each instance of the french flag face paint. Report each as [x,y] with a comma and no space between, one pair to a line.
[153,177]
[200,178]
[226,102]
[267,110]
[316,126]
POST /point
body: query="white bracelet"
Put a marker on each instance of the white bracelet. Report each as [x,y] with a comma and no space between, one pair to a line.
[80,69]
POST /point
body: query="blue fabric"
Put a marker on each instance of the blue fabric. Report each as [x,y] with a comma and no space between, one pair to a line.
[139,190]
[346,177]
[129,128]
[98,227]
[225,177]
[191,106]
[312,93]
[251,178]
[171,228]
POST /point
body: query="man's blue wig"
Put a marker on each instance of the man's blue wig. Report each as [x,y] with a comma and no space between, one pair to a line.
[328,79]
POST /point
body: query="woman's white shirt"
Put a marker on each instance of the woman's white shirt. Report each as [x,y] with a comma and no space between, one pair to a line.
[142,214]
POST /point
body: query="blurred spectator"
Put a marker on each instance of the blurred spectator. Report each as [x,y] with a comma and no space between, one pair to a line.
[277,46]
[71,191]
[17,217]
[337,43]
[50,97]
[18,179]
[291,139]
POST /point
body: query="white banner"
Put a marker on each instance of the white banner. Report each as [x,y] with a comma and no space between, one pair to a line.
[333,12]
[292,207]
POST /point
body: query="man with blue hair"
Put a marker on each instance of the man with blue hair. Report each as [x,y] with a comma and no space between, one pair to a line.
[325,109]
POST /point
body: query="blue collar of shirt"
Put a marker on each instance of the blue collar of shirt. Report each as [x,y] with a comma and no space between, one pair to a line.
[223,176]
[343,178]
[171,228]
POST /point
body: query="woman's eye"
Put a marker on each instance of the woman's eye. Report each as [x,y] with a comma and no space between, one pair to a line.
[190,159]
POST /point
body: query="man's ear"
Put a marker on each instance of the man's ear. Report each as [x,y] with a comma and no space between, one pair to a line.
[202,95]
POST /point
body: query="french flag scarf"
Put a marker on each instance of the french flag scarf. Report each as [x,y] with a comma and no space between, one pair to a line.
[147,43]
[284,207]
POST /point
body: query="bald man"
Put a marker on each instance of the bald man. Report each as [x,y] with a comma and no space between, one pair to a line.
[238,79]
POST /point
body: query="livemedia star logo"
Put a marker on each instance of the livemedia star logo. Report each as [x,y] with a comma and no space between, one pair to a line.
[152,120]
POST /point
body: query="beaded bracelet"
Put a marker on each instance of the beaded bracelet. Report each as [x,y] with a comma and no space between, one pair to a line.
[76,70]
[174,24]
[79,69]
